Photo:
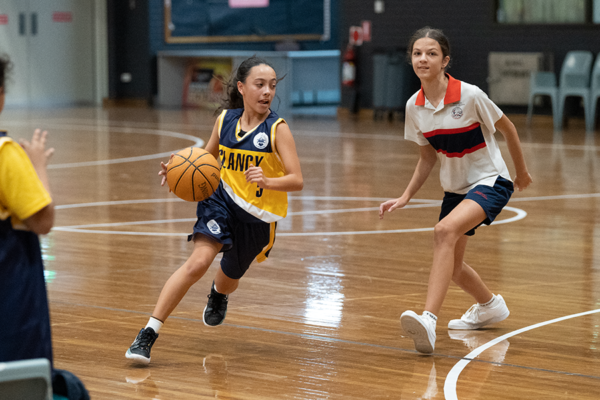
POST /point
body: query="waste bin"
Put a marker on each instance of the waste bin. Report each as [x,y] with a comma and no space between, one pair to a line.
[393,83]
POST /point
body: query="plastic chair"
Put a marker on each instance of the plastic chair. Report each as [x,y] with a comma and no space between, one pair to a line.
[543,83]
[26,379]
[575,80]
[590,120]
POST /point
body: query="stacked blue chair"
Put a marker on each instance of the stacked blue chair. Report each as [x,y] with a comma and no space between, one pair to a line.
[575,81]
[543,83]
[590,120]
[26,379]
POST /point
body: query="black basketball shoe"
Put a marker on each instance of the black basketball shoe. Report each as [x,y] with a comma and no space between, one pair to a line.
[141,346]
[216,309]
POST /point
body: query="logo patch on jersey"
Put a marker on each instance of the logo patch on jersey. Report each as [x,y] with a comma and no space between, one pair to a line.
[457,112]
[214,228]
[261,140]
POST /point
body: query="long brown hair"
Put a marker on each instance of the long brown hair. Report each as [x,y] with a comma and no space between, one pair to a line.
[435,34]
[233,98]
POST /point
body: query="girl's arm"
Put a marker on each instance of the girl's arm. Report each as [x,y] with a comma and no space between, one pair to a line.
[292,180]
[213,143]
[427,160]
[508,130]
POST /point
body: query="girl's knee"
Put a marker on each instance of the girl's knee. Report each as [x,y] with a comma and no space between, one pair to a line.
[196,267]
[443,232]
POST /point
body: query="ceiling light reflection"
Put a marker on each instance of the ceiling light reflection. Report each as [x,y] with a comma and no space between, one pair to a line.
[324,297]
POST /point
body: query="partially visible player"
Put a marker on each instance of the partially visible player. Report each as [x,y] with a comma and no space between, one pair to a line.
[26,211]
[259,165]
[455,122]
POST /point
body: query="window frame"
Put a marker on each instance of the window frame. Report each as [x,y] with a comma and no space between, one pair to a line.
[589,18]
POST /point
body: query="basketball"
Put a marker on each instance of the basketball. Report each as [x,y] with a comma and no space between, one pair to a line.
[193,174]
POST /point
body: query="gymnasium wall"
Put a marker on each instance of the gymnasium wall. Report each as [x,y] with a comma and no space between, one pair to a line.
[470,26]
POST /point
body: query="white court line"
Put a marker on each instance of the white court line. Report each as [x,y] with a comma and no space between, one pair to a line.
[110,124]
[452,378]
[558,197]
[197,142]
[86,228]
[424,204]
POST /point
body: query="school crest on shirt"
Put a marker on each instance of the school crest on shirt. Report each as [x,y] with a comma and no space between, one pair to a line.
[457,112]
[214,227]
[261,140]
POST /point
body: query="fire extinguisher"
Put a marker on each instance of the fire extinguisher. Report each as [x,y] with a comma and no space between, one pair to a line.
[349,67]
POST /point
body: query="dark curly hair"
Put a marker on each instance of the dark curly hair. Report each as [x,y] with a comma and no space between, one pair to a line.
[5,67]
[233,98]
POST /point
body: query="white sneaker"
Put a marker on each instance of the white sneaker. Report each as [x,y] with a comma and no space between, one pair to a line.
[420,330]
[479,316]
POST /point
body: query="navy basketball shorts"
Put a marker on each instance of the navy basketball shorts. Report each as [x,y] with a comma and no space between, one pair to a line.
[242,242]
[491,198]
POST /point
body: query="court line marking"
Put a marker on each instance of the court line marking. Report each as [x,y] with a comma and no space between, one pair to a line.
[452,377]
[316,337]
[426,203]
[109,124]
[197,142]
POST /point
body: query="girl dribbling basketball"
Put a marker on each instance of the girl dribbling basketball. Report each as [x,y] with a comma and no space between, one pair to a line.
[455,122]
[259,165]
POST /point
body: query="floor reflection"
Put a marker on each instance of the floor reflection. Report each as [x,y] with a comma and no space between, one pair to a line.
[475,339]
[474,380]
[324,297]
[140,379]
[423,382]
[215,366]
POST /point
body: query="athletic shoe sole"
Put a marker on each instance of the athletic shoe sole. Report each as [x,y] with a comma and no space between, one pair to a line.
[415,330]
[137,358]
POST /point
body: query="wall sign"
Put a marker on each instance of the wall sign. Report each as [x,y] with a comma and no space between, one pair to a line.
[208,21]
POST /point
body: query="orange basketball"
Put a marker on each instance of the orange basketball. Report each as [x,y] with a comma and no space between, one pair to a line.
[193,174]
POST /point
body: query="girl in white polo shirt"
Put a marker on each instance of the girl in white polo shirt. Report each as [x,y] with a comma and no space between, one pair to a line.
[455,122]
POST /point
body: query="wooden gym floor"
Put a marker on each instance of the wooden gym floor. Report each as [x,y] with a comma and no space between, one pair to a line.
[320,318]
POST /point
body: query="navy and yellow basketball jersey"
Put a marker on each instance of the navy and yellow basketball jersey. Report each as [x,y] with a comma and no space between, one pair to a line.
[257,147]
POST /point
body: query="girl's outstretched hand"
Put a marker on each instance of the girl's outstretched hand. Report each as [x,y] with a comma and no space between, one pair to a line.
[36,149]
[391,205]
[163,170]
[523,181]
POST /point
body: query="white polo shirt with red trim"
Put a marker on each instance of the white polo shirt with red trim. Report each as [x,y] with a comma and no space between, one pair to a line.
[461,129]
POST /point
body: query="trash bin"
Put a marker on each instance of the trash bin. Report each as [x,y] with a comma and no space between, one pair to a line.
[393,84]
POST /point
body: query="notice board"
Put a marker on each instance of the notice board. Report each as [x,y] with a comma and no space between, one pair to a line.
[211,21]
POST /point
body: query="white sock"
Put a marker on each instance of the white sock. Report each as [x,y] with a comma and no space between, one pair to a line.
[489,303]
[154,324]
[431,316]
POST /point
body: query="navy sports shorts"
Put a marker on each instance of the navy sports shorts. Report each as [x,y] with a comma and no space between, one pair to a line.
[242,242]
[491,198]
